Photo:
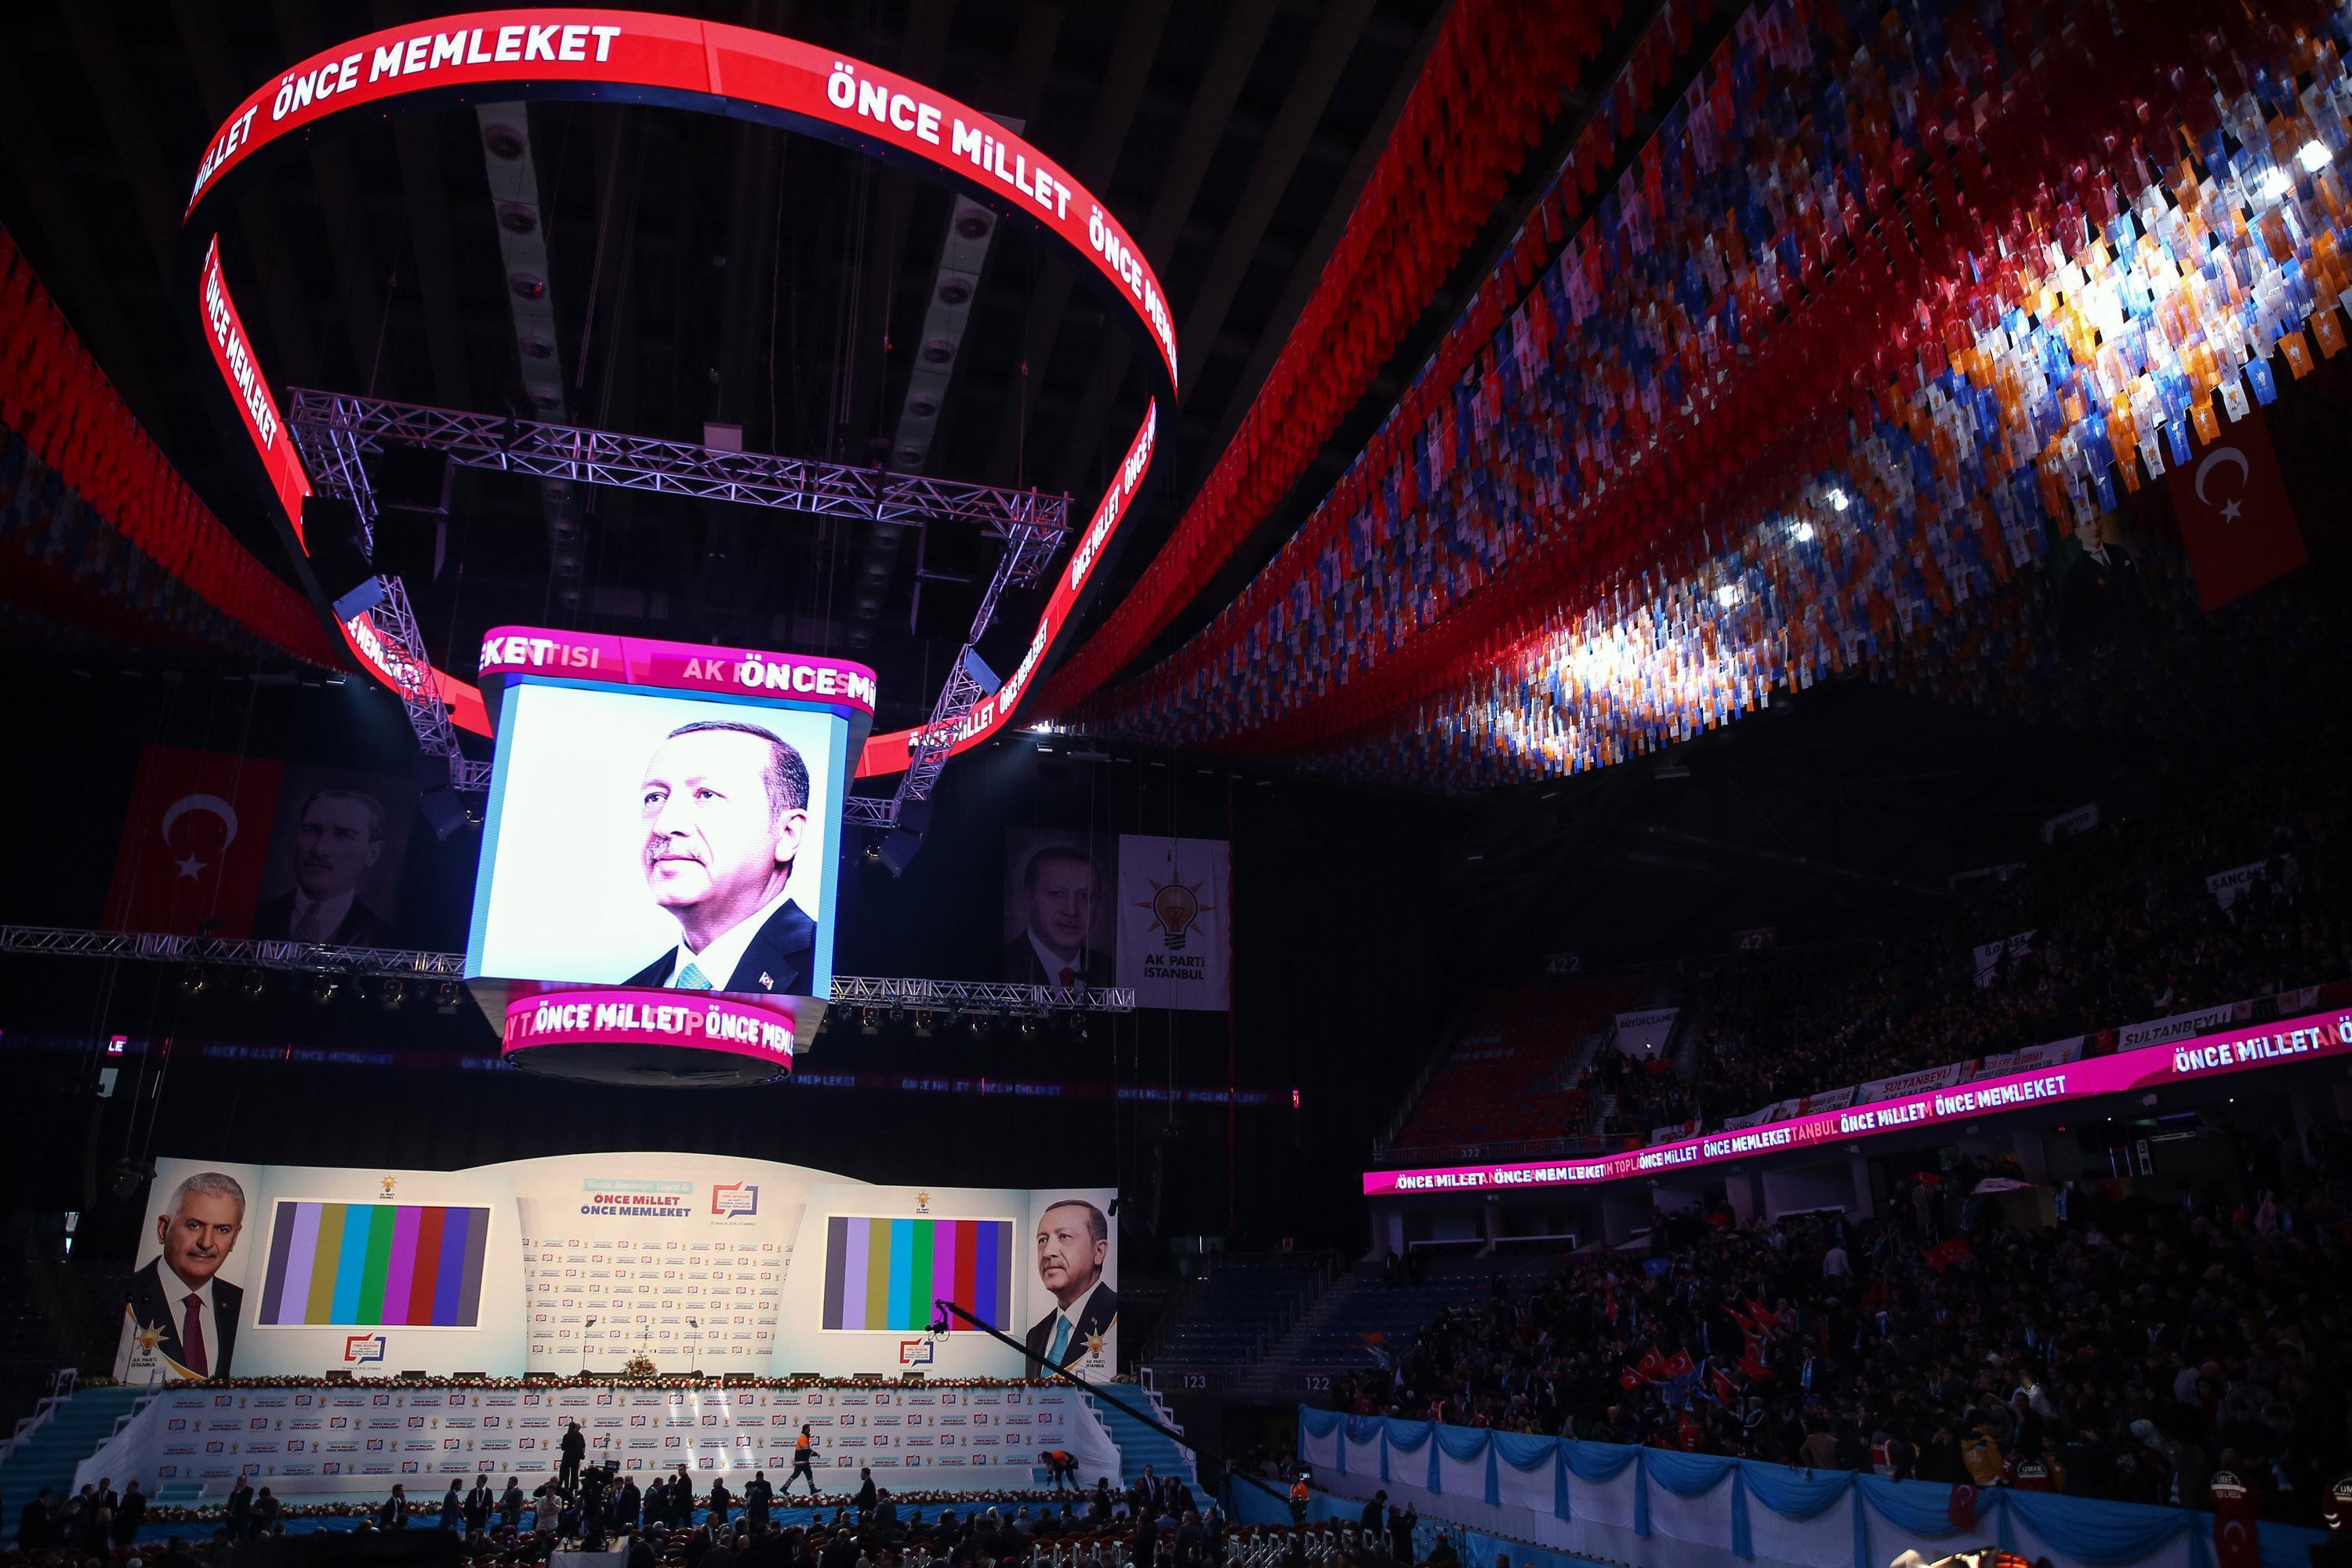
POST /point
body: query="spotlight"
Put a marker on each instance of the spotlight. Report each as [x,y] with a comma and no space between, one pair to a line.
[192,981]
[2313,156]
[323,988]
[923,1024]
[873,855]
[447,995]
[1028,1028]
[1727,596]
[1078,1027]
[1837,498]
[977,1023]
[1802,533]
[867,1023]
[255,982]
[2276,184]
[395,993]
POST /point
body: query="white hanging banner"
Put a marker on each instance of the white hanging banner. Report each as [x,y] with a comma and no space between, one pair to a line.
[1174,943]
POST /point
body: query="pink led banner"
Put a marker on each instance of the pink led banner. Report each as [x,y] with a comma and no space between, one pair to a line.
[612,1015]
[2305,1038]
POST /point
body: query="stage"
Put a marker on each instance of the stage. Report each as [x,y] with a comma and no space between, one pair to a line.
[315,1438]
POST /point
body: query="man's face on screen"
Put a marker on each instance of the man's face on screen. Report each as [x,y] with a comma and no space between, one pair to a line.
[712,835]
[199,1235]
[334,844]
[1062,904]
[1069,1257]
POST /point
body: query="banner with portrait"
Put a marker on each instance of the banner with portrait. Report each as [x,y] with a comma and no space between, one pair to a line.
[1058,928]
[1175,944]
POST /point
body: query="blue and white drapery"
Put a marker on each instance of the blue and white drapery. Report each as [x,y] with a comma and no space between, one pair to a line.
[1657,1506]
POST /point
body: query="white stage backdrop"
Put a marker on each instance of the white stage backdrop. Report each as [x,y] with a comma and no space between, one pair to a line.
[582,1262]
[362,1440]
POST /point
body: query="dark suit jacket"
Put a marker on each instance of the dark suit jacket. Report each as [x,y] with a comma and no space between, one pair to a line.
[1021,966]
[1100,1312]
[156,1303]
[273,920]
[781,958]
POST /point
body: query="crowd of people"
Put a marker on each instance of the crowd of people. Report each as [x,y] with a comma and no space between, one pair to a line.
[669,1523]
[2119,926]
[2118,1348]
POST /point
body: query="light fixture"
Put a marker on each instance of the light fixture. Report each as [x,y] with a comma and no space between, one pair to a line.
[192,981]
[395,993]
[867,1023]
[255,982]
[446,997]
[1802,533]
[2313,155]
[323,988]
[923,1024]
[977,1023]
[1727,596]
[2276,184]
[1837,498]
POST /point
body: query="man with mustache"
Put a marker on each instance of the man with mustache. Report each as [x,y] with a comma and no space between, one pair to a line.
[724,806]
[181,1293]
[339,839]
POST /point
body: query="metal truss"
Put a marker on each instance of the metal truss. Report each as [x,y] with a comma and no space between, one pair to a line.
[417,963]
[980,995]
[305,957]
[677,467]
[335,431]
[336,469]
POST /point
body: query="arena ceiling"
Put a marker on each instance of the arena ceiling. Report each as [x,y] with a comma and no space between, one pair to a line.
[700,272]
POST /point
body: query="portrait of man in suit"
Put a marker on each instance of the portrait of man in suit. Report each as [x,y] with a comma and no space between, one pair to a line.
[724,806]
[339,841]
[1058,889]
[1073,1243]
[181,1295]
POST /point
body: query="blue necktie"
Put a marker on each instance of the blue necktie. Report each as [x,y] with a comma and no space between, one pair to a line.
[1061,1340]
[691,979]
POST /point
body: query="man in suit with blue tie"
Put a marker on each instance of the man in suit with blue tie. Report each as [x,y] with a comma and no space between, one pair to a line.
[725,805]
[1073,1243]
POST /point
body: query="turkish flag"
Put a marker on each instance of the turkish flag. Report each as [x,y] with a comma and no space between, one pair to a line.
[2236,522]
[193,842]
[2237,1535]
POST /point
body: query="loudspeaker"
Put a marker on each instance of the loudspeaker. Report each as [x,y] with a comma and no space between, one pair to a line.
[899,845]
[339,555]
[413,479]
[444,812]
[411,545]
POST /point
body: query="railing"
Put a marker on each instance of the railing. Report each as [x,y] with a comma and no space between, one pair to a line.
[62,1383]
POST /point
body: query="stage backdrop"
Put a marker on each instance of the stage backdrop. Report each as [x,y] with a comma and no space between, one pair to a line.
[580,1262]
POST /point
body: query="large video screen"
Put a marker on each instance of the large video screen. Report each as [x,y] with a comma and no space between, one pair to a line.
[659,839]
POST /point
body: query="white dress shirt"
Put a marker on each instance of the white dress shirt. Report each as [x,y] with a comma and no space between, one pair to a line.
[177,1305]
[318,920]
[717,960]
[1054,962]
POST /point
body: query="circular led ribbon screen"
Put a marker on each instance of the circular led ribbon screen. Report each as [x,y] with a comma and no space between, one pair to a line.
[635,57]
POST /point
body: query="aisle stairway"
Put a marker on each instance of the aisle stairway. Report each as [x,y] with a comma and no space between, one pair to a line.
[72,1433]
[1139,1446]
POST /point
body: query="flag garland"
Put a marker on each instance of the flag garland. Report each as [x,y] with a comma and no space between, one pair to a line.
[1815,339]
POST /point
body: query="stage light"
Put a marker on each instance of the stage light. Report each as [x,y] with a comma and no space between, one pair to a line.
[1078,1027]
[1837,498]
[2313,155]
[923,1024]
[1727,596]
[1028,1028]
[2276,184]
[395,993]
[1804,532]
[977,1023]
[447,995]
[873,855]
[323,988]
[192,981]
[255,982]
[866,1024]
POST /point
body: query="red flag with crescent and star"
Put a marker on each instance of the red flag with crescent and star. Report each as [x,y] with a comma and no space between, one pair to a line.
[194,841]
[2236,522]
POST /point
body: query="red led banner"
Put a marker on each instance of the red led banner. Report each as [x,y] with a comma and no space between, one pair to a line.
[639,57]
